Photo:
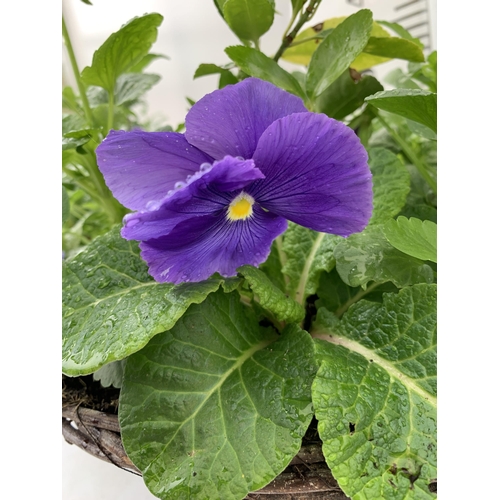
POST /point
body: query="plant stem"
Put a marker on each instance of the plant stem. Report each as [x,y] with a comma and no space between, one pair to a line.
[288,39]
[408,151]
[111,111]
[304,40]
[76,72]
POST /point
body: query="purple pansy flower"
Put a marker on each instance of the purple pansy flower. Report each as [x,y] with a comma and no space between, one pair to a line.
[215,198]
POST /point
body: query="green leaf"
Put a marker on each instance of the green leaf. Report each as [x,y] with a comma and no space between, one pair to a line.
[75,131]
[271,297]
[112,307]
[145,61]
[399,30]
[344,95]
[374,395]
[249,19]
[368,256]
[413,237]
[65,205]
[69,101]
[391,184]
[337,51]
[111,374]
[217,406]
[337,297]
[394,48]
[255,63]
[416,105]
[122,51]
[308,254]
[226,77]
[131,86]
[301,51]
[272,266]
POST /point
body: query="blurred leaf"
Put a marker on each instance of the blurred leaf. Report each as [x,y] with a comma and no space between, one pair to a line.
[394,48]
[226,77]
[65,205]
[255,63]
[249,19]
[217,406]
[121,51]
[337,296]
[131,86]
[111,374]
[337,51]
[75,132]
[417,105]
[368,256]
[301,52]
[145,61]
[413,237]
[344,95]
[69,101]
[403,33]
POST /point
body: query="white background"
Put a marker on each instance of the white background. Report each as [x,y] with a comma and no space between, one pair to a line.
[192,33]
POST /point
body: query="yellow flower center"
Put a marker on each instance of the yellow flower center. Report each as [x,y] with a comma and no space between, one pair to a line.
[241,207]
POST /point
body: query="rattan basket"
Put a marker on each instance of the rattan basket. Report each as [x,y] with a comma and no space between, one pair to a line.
[98,433]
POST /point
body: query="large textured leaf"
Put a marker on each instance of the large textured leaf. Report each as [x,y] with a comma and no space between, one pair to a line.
[413,237]
[122,51]
[255,63]
[217,406]
[368,256]
[391,184]
[375,395]
[308,254]
[112,307]
[416,105]
[302,52]
[270,297]
[249,19]
[337,51]
[345,95]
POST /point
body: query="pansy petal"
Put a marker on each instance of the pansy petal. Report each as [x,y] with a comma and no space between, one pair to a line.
[201,246]
[230,121]
[140,167]
[207,192]
[317,174]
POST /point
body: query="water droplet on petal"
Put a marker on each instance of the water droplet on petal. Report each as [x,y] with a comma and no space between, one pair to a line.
[152,205]
[205,167]
[179,185]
